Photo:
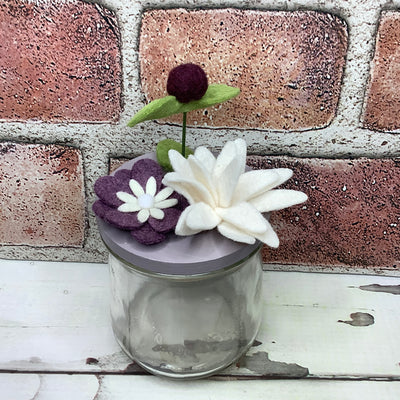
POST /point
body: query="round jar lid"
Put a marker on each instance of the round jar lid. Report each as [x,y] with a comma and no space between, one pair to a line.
[202,253]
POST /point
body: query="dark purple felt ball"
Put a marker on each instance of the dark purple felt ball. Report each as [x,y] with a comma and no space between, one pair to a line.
[187,82]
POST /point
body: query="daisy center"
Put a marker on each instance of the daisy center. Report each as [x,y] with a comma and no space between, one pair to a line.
[146,201]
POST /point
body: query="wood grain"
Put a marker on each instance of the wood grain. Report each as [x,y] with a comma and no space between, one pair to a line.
[55,332]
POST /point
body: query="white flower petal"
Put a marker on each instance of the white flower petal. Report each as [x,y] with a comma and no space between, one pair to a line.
[241,151]
[245,217]
[203,176]
[163,194]
[156,213]
[179,163]
[205,157]
[181,228]
[233,233]
[128,207]
[193,191]
[173,180]
[269,237]
[202,217]
[278,199]
[126,197]
[136,188]
[284,174]
[143,215]
[230,164]
[151,186]
[253,183]
[166,203]
[232,151]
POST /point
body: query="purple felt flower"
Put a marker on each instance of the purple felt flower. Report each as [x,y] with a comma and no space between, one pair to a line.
[137,201]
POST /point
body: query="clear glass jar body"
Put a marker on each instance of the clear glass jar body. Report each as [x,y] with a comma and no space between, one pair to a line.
[186,326]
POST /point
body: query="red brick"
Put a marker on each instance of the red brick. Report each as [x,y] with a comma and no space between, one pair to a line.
[352,217]
[41,195]
[382,109]
[60,61]
[288,65]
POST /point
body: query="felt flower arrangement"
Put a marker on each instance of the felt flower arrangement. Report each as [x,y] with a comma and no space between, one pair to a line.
[200,192]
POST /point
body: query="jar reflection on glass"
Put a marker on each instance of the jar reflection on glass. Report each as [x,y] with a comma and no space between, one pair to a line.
[186,326]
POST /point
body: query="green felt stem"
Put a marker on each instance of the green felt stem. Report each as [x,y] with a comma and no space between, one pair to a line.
[184,134]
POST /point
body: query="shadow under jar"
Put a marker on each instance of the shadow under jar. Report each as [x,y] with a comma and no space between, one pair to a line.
[187,307]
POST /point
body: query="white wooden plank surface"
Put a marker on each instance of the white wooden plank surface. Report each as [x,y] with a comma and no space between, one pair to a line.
[301,324]
[54,317]
[91,387]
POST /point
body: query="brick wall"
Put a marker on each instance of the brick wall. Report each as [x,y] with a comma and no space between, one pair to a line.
[319,94]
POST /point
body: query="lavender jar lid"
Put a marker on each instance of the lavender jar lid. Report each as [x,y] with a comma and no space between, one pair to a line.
[199,254]
[190,255]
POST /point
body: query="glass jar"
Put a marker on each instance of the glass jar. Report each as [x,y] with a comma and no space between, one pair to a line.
[186,326]
[187,307]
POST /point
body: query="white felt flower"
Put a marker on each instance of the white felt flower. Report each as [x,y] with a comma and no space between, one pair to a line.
[148,202]
[223,196]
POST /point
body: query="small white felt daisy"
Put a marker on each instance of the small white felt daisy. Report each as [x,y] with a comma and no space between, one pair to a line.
[146,201]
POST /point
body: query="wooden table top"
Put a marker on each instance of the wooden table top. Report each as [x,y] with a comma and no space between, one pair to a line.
[324,336]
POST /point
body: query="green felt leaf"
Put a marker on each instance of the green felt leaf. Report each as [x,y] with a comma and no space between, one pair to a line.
[169,105]
[215,94]
[157,109]
[162,152]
